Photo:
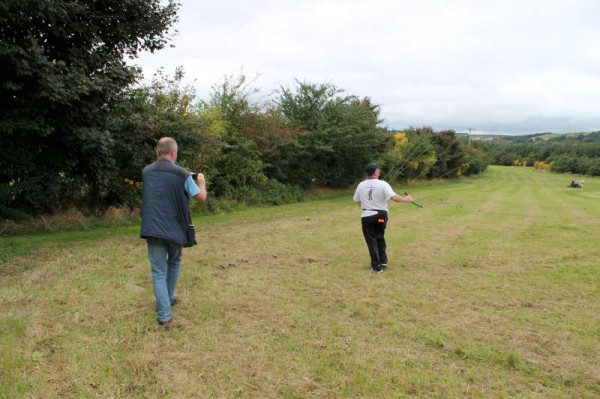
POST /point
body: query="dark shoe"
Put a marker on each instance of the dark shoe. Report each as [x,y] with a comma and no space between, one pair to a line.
[164,323]
[377,269]
[384,266]
[175,302]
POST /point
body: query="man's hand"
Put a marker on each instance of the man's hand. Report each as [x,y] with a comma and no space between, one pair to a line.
[200,180]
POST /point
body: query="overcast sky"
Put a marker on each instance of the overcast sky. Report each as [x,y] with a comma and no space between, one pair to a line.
[500,67]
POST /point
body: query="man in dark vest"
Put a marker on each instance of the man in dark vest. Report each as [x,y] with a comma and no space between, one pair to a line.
[166,222]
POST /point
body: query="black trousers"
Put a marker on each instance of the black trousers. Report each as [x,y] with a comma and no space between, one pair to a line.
[373,228]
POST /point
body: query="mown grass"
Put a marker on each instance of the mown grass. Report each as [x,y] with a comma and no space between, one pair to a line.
[492,292]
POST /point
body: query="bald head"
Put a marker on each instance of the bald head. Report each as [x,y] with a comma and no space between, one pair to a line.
[167,148]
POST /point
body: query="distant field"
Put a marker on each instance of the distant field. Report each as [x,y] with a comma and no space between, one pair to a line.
[492,292]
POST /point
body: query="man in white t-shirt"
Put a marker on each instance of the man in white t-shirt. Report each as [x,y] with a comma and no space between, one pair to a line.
[373,195]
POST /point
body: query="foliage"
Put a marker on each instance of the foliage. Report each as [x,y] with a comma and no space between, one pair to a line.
[475,161]
[411,156]
[62,71]
[423,153]
[79,131]
[338,134]
[143,114]
[237,172]
[449,155]
[542,166]
[565,153]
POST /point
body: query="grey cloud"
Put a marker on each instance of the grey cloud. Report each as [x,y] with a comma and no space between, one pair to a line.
[505,66]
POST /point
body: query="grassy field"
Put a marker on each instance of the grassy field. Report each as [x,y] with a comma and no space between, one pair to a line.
[492,292]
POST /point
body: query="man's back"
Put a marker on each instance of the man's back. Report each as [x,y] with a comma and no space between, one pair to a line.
[165,202]
[373,194]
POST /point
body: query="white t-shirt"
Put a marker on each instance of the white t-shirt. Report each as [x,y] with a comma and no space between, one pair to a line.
[373,195]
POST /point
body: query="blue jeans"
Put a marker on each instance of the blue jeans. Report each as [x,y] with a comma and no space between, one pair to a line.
[165,263]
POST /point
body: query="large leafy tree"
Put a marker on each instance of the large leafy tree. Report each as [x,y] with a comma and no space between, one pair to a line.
[339,133]
[61,70]
[237,172]
[142,115]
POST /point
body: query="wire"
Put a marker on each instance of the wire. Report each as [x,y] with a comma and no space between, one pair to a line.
[423,145]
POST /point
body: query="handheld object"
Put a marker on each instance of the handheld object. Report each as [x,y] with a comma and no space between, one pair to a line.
[415,203]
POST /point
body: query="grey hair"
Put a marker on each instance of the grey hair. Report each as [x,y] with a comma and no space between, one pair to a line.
[165,145]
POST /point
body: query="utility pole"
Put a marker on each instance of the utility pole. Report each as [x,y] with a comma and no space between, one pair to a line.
[470,137]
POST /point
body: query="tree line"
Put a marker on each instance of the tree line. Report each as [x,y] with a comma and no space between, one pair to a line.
[577,153]
[78,126]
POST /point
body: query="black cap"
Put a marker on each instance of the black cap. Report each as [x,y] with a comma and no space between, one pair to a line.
[372,168]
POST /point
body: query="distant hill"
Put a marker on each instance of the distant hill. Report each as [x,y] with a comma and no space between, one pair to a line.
[591,137]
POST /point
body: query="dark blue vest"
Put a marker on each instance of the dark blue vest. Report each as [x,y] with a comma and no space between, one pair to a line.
[165,204]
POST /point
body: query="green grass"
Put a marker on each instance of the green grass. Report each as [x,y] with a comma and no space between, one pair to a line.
[492,292]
